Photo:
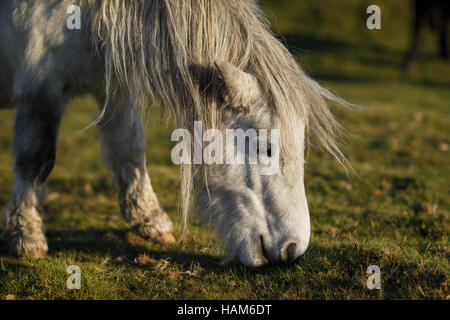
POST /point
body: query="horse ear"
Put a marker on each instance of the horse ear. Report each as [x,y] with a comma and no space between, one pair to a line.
[241,89]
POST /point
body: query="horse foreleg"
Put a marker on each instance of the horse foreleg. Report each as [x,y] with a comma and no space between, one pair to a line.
[123,144]
[36,128]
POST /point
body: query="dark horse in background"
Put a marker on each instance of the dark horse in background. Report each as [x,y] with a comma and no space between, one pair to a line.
[436,14]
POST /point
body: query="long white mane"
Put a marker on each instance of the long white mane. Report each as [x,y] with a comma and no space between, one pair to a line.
[151,46]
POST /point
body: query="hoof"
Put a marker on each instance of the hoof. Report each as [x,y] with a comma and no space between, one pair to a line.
[411,67]
[147,219]
[31,247]
[168,238]
[157,227]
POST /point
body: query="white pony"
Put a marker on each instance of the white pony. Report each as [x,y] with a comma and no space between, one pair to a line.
[201,60]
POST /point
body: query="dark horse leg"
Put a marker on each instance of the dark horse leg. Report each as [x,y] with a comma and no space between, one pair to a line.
[421,13]
[444,40]
[38,117]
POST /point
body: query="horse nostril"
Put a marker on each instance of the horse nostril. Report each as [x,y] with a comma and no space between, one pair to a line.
[288,252]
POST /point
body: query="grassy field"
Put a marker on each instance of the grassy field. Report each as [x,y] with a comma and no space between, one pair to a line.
[394,212]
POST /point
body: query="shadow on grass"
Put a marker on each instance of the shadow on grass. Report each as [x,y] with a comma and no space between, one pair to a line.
[338,266]
[114,243]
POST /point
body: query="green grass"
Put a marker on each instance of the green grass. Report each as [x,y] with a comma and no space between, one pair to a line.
[398,148]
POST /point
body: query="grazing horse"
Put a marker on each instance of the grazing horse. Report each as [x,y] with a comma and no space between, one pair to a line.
[211,61]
